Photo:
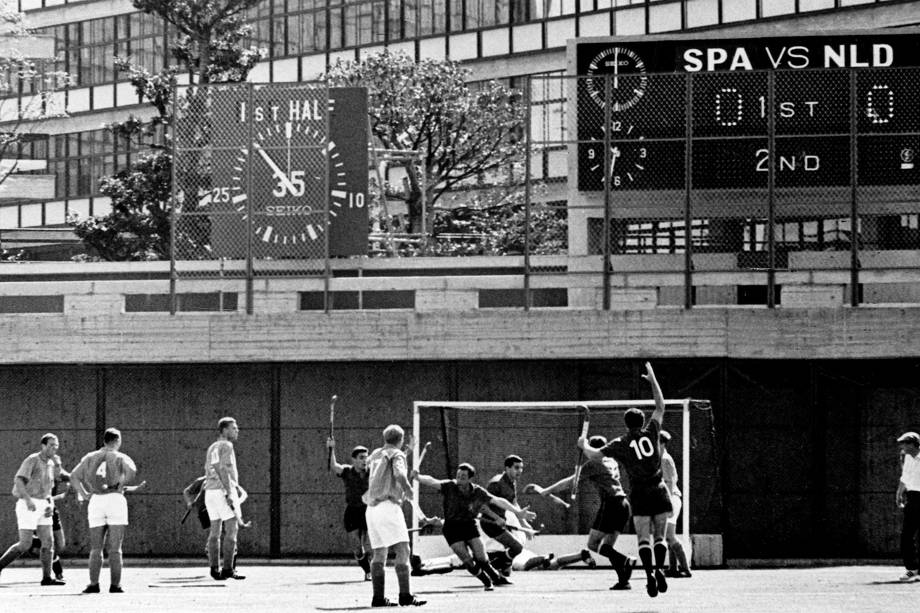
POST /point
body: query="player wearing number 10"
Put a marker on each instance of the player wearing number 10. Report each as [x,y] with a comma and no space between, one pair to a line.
[639,452]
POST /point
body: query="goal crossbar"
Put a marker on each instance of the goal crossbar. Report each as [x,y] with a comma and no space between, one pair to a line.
[672,405]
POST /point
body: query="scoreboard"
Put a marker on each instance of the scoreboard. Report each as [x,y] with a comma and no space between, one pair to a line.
[816,110]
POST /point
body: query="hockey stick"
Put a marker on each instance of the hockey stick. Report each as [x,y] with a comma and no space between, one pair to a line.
[236,504]
[581,454]
[331,429]
[507,526]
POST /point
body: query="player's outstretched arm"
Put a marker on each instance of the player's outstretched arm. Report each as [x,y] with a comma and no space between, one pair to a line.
[336,467]
[426,480]
[658,413]
[523,514]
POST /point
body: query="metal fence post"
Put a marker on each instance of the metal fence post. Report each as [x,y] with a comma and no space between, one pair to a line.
[607,179]
[250,273]
[175,203]
[528,118]
[771,195]
[854,206]
[688,187]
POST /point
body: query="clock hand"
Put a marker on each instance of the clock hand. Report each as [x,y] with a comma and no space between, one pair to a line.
[614,154]
[282,178]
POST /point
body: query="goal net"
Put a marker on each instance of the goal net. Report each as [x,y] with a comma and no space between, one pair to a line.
[544,435]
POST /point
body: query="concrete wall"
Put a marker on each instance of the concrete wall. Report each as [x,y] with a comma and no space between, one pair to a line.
[804,448]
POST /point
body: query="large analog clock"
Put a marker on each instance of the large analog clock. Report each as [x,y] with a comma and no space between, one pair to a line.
[624,164]
[627,76]
[290,172]
[286,162]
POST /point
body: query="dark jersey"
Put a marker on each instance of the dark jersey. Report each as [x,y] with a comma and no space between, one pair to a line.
[640,453]
[501,486]
[355,486]
[460,505]
[604,475]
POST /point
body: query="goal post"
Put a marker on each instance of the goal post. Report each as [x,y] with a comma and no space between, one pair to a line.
[543,433]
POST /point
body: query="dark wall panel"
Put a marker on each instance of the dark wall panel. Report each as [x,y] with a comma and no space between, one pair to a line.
[793,459]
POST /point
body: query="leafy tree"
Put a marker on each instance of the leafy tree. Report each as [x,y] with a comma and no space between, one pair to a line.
[454,136]
[210,47]
[29,89]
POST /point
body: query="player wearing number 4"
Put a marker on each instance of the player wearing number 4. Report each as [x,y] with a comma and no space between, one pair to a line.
[639,451]
[463,500]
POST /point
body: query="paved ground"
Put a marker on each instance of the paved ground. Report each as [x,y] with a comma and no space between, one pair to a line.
[335,588]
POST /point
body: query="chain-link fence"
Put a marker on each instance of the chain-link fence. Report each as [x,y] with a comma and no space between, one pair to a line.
[271,180]
[757,172]
[760,174]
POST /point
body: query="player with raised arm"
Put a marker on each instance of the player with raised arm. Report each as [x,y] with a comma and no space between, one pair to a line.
[103,476]
[639,451]
[463,501]
[355,478]
[612,516]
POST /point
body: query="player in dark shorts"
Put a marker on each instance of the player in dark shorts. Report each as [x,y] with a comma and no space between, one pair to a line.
[504,485]
[612,516]
[639,451]
[355,478]
[463,501]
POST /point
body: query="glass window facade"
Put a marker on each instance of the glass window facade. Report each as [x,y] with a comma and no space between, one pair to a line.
[291,28]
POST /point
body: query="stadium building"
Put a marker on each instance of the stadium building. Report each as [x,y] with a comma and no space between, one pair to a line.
[803,340]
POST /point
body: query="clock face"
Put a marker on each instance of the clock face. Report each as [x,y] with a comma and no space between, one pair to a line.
[286,163]
[290,172]
[625,162]
[627,78]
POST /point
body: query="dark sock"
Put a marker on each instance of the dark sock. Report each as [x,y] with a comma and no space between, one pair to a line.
[57,567]
[661,554]
[489,571]
[402,577]
[364,563]
[616,558]
[645,554]
[473,569]
[377,579]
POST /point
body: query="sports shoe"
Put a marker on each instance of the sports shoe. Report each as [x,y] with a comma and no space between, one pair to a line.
[50,581]
[651,587]
[671,573]
[499,580]
[231,574]
[92,588]
[684,572]
[910,576]
[588,559]
[116,589]
[216,574]
[382,602]
[661,581]
[619,585]
[409,600]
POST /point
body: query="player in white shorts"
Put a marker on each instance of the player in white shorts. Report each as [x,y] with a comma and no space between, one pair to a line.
[221,498]
[678,566]
[388,487]
[34,507]
[102,476]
